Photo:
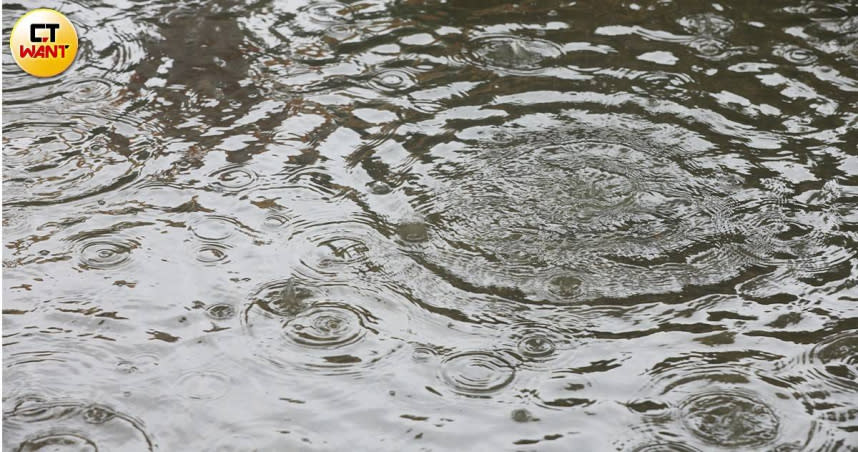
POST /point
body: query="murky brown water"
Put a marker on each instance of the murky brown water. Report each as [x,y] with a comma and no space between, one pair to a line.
[441,225]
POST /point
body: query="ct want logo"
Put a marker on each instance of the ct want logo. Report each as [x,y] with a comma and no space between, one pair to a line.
[43,42]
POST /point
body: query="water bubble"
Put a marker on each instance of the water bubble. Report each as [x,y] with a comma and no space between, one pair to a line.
[729,419]
[477,373]
[512,52]
[795,55]
[379,188]
[326,325]
[220,311]
[393,80]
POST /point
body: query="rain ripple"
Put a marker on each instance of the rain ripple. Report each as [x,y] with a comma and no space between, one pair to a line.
[835,361]
[87,91]
[54,426]
[53,159]
[584,209]
[104,253]
[293,326]
[393,81]
[665,447]
[509,52]
[326,325]
[233,179]
[795,54]
[729,419]
[477,373]
[728,400]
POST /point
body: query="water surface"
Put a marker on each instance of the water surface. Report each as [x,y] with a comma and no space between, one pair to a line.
[434,225]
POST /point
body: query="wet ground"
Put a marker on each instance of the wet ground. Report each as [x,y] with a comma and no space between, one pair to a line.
[434,225]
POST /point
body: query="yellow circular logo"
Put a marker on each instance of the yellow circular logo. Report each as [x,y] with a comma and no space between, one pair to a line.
[43,42]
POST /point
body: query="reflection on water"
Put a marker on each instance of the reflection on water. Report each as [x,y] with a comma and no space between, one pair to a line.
[435,225]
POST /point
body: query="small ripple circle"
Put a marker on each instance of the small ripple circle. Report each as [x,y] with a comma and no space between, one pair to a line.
[537,346]
[477,373]
[512,52]
[106,253]
[329,325]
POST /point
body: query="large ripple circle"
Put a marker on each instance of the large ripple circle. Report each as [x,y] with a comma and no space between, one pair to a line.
[50,158]
[578,219]
[835,361]
[72,426]
[730,419]
[729,400]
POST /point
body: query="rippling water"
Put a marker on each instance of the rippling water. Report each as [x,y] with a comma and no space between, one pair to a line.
[434,225]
